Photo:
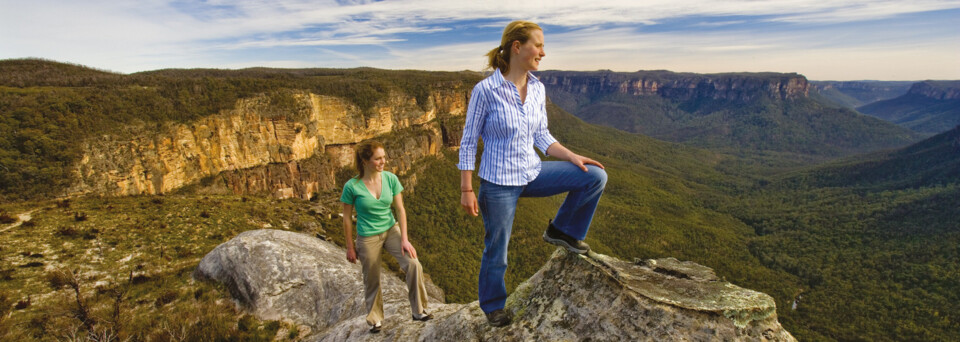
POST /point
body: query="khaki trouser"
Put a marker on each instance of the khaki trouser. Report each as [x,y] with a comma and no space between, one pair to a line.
[368,251]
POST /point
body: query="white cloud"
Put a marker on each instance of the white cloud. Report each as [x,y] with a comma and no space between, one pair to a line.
[154,34]
[894,55]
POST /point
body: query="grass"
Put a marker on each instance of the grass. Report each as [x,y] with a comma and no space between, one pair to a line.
[124,272]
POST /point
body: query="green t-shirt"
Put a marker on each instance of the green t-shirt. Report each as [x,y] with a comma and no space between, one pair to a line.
[373,215]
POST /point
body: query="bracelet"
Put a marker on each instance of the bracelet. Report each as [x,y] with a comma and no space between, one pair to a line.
[471,190]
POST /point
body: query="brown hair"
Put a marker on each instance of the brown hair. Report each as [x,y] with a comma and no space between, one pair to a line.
[499,57]
[364,151]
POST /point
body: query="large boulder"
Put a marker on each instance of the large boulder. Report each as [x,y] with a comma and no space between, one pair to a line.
[276,274]
[572,298]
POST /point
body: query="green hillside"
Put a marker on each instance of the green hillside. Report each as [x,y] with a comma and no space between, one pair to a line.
[919,111]
[852,94]
[932,162]
[874,239]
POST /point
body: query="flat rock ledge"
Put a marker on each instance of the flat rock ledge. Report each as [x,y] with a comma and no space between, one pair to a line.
[284,275]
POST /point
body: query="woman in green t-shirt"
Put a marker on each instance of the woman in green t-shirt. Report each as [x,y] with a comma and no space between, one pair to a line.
[378,229]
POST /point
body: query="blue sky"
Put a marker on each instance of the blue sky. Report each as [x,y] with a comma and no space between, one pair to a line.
[824,40]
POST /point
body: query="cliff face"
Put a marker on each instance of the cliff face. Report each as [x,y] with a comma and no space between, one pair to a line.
[752,111]
[294,154]
[681,87]
[929,107]
[938,90]
[284,275]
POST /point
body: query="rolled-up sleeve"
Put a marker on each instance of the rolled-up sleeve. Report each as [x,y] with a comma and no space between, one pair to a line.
[542,137]
[476,113]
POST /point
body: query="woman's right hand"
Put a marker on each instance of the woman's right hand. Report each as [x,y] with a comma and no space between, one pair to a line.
[352,255]
[468,201]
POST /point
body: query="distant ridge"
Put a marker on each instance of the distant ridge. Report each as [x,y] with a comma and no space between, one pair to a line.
[729,111]
[852,94]
[931,162]
[31,72]
[929,107]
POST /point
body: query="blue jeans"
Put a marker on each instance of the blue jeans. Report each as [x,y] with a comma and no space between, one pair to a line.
[498,204]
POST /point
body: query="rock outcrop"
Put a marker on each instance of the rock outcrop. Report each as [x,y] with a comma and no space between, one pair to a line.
[937,90]
[929,107]
[680,86]
[278,274]
[260,150]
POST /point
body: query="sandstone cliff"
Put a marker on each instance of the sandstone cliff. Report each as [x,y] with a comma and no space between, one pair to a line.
[680,86]
[284,275]
[929,107]
[732,111]
[938,90]
[252,148]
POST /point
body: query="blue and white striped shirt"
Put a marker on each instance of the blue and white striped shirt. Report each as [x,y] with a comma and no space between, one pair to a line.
[510,129]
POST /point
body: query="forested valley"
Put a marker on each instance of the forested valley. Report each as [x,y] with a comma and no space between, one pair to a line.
[852,246]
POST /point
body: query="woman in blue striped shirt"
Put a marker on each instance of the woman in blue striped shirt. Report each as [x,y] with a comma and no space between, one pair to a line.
[508,111]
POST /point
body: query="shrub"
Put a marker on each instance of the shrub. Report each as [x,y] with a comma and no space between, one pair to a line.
[90,234]
[139,279]
[23,304]
[165,298]
[4,305]
[5,218]
[246,323]
[67,232]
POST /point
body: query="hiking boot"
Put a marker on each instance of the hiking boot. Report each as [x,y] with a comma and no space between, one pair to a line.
[376,328]
[423,317]
[498,318]
[556,237]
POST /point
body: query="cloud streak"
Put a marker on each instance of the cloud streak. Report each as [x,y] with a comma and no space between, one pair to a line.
[438,34]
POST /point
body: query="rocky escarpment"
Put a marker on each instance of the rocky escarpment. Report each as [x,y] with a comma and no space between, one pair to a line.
[938,90]
[278,274]
[929,107]
[680,86]
[252,148]
[751,111]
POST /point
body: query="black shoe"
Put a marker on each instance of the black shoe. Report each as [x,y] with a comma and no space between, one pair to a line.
[556,237]
[375,329]
[424,318]
[498,318]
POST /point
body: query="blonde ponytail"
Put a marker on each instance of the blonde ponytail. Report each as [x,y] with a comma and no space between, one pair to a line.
[499,57]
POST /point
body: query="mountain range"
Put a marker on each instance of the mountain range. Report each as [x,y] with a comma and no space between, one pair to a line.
[732,112]
[853,94]
[929,107]
[847,221]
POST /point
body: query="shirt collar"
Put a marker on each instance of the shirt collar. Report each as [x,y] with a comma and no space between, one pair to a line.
[503,81]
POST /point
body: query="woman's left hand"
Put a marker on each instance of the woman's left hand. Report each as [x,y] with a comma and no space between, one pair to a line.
[407,249]
[581,162]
